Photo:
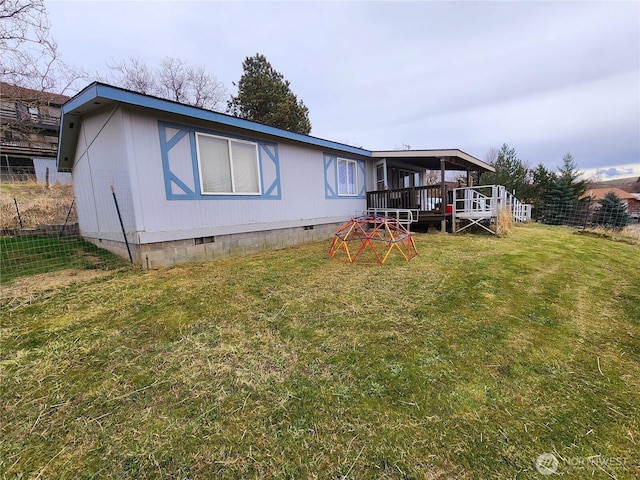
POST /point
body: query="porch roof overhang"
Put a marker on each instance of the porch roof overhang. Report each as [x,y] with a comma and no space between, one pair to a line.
[454,159]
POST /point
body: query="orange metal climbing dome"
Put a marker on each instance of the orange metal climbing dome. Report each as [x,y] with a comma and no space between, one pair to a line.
[372,237]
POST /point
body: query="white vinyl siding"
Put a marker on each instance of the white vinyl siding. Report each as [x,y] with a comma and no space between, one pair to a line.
[227,166]
[347,177]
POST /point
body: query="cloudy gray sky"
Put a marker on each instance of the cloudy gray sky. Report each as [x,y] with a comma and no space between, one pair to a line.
[546,78]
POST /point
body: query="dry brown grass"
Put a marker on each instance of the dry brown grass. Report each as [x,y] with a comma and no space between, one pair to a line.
[630,234]
[504,226]
[37,204]
[632,231]
[24,290]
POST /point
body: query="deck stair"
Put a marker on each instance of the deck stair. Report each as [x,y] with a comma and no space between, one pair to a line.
[481,206]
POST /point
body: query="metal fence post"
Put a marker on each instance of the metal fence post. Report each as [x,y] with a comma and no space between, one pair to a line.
[124,233]
[64,225]
[18,212]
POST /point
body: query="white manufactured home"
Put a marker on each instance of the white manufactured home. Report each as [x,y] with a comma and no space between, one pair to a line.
[191,184]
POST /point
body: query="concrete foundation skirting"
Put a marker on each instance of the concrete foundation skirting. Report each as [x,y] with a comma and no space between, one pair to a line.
[164,254]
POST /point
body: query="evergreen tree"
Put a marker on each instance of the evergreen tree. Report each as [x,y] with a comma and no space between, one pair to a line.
[564,194]
[264,96]
[541,181]
[510,172]
[612,212]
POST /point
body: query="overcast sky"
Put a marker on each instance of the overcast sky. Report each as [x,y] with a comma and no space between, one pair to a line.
[546,78]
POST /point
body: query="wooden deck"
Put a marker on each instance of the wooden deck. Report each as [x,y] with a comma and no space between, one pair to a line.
[425,202]
[462,208]
[424,199]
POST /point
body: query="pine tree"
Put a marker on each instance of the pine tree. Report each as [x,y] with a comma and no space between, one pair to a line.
[612,212]
[510,172]
[542,179]
[265,96]
[564,194]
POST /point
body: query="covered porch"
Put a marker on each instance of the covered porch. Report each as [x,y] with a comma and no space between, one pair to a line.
[413,183]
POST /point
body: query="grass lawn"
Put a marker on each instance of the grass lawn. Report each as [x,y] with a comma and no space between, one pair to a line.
[469,362]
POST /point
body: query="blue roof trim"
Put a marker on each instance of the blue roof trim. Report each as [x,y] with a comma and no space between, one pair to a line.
[85,96]
[108,92]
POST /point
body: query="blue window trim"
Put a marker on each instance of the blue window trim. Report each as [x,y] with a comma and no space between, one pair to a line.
[330,163]
[347,162]
[267,152]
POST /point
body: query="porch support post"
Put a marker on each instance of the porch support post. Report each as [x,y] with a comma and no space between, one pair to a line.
[443,195]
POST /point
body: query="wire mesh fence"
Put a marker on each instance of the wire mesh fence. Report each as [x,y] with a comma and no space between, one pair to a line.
[40,242]
[588,215]
[41,247]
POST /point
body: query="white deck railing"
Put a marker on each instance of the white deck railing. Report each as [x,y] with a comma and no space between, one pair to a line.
[405,216]
[483,203]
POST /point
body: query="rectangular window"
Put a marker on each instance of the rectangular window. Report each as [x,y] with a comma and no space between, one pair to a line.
[347,177]
[380,177]
[227,166]
[407,178]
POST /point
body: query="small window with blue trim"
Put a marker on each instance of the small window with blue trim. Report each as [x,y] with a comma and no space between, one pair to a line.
[347,177]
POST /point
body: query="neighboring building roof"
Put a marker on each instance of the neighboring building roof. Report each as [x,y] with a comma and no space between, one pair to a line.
[98,95]
[599,193]
[15,92]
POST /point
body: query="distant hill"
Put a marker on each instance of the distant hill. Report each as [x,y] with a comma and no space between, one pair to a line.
[628,184]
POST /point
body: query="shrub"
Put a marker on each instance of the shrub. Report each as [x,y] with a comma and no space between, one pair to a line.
[612,212]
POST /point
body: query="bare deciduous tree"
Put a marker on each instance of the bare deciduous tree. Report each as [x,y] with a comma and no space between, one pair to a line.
[431,177]
[491,157]
[205,89]
[29,57]
[135,75]
[173,80]
[34,79]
